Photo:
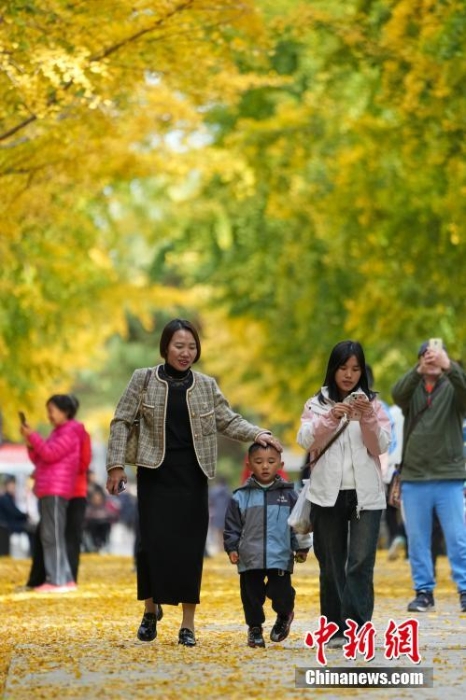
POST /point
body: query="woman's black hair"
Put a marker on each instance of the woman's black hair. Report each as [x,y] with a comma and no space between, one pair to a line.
[67,403]
[178,324]
[338,357]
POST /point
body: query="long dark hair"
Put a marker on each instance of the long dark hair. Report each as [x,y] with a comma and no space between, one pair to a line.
[178,324]
[338,357]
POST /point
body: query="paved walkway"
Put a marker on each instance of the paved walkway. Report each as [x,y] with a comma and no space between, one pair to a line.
[82,645]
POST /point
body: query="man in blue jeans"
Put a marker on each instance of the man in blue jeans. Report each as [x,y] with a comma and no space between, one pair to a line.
[432,396]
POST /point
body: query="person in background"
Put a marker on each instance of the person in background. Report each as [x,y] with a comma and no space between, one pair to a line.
[56,460]
[77,504]
[182,413]
[100,515]
[346,488]
[74,526]
[93,484]
[388,462]
[432,396]
[219,498]
[258,539]
[11,517]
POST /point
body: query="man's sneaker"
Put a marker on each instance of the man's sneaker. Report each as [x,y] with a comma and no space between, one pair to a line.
[255,638]
[147,631]
[423,602]
[281,628]
[463,601]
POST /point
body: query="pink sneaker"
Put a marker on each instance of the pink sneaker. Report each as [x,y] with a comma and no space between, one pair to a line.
[51,588]
[71,586]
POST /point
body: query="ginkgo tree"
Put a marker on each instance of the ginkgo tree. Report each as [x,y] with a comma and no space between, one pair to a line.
[294,170]
[341,211]
[94,94]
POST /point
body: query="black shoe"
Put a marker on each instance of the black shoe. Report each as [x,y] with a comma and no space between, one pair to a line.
[147,631]
[159,613]
[463,601]
[255,638]
[423,602]
[186,637]
[281,628]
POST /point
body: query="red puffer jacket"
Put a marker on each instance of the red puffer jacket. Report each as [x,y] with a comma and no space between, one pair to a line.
[56,460]
[85,458]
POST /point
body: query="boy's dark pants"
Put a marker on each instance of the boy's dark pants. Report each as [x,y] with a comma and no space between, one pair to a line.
[258,584]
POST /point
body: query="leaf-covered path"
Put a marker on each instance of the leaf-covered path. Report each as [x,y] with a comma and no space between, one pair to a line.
[83,645]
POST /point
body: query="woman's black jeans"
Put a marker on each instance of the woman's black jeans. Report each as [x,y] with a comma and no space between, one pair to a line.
[345,545]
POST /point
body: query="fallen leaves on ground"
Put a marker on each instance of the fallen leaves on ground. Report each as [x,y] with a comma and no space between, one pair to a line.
[61,645]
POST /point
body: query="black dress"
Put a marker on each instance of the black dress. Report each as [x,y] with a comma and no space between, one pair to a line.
[173,509]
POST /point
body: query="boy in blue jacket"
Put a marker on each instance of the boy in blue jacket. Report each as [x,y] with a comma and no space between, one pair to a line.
[259,540]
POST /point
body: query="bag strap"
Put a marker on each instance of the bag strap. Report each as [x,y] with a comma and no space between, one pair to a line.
[415,421]
[143,392]
[329,443]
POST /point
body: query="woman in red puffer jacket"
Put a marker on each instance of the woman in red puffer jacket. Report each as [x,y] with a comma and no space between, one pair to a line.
[57,462]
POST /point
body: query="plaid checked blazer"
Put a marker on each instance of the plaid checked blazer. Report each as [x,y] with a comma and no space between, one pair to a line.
[209,413]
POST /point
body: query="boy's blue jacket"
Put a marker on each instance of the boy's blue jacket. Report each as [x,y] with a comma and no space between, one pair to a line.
[256,526]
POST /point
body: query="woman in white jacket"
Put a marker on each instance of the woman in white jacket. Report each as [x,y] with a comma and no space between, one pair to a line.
[346,487]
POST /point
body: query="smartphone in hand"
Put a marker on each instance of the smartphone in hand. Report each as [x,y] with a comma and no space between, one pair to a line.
[436,344]
[22,418]
[121,486]
[358,395]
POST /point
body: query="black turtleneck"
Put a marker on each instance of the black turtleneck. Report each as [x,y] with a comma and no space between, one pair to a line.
[178,427]
[175,373]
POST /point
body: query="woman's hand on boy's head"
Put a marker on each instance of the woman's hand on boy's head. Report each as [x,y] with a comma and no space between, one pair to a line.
[234,557]
[267,438]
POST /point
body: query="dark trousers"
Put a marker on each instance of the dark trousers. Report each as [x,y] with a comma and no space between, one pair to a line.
[74,532]
[345,546]
[394,522]
[257,584]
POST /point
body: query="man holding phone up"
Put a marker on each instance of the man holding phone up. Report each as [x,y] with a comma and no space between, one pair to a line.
[432,396]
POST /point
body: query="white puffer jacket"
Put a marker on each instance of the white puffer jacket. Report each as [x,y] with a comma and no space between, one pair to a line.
[362,442]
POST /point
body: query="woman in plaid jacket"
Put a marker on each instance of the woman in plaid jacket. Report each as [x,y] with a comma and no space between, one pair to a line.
[182,413]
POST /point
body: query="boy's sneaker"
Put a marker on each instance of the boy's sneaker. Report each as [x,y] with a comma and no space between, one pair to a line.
[423,602]
[281,628]
[463,601]
[255,638]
